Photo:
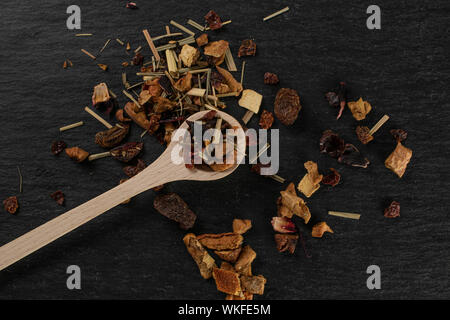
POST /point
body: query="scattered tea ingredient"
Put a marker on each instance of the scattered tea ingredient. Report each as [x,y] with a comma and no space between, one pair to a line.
[204,261]
[101,99]
[127,151]
[338,98]
[58,196]
[112,137]
[359,108]
[319,229]
[266,119]
[202,40]
[363,134]
[250,100]
[378,125]
[230,81]
[393,211]
[131,171]
[398,160]
[286,242]
[332,178]
[222,241]
[71,126]
[352,157]
[213,20]
[229,255]
[189,55]
[227,281]
[241,226]
[349,215]
[173,207]
[311,181]
[97,156]
[253,284]
[276,13]
[96,116]
[11,204]
[58,147]
[271,78]
[77,154]
[283,225]
[287,106]
[399,134]
[247,48]
[90,55]
[131,5]
[294,204]
[331,144]
[245,259]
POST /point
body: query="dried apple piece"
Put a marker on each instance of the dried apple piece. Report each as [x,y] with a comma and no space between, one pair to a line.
[398,160]
[77,154]
[311,181]
[250,100]
[201,257]
[319,229]
[290,200]
[216,49]
[359,108]
[189,55]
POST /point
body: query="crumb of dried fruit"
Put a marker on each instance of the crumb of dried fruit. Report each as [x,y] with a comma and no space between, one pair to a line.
[291,201]
[201,257]
[319,229]
[101,99]
[232,83]
[359,108]
[286,242]
[222,241]
[283,211]
[227,266]
[213,20]
[398,160]
[363,134]
[227,281]
[58,147]
[253,284]
[120,116]
[311,181]
[202,40]
[77,154]
[352,157]
[331,144]
[173,207]
[216,50]
[113,136]
[338,98]
[131,5]
[271,78]
[245,259]
[58,196]
[287,106]
[138,59]
[184,84]
[189,55]
[247,48]
[393,211]
[241,226]
[266,119]
[283,225]
[399,134]
[131,171]
[332,178]
[125,64]
[229,255]
[102,66]
[127,151]
[11,204]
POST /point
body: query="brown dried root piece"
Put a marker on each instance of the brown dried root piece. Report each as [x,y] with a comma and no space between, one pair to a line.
[319,229]
[222,241]
[291,201]
[189,55]
[173,207]
[311,181]
[253,284]
[201,257]
[286,242]
[359,108]
[227,281]
[230,81]
[228,255]
[245,259]
[77,154]
[241,226]
[398,160]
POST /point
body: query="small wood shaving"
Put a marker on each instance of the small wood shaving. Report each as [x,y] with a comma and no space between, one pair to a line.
[96,116]
[71,126]
[179,26]
[88,54]
[276,13]
[348,215]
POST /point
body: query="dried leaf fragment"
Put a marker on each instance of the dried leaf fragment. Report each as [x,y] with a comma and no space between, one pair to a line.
[204,261]
[359,108]
[102,66]
[58,196]
[291,201]
[250,100]
[11,204]
[319,229]
[311,181]
[222,241]
[173,207]
[241,226]
[77,154]
[352,157]
[398,160]
[286,242]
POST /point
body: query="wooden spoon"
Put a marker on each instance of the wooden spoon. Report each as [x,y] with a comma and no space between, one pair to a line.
[163,170]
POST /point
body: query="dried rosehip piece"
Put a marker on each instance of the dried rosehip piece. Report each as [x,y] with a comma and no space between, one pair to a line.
[332,178]
[266,119]
[58,196]
[331,144]
[287,106]
[363,134]
[338,98]
[247,48]
[271,78]
[213,20]
[11,204]
[112,137]
[58,147]
[393,211]
[399,134]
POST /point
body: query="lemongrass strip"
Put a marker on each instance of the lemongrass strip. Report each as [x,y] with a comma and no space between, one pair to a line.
[156,74]
[167,29]
[132,98]
[96,116]
[196,25]
[88,54]
[187,40]
[379,124]
[71,126]
[168,75]
[175,34]
[179,26]
[104,46]
[171,63]
[242,72]
[348,215]
[120,41]
[276,13]
[210,107]
[144,133]
[83,34]
[135,85]
[247,116]
[99,156]
[138,49]
[230,61]
[223,24]
[196,92]
[277,178]
[151,44]
[229,94]
[166,47]
[112,94]
[199,70]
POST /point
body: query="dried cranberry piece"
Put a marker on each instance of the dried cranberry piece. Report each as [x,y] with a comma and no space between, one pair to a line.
[393,211]
[270,78]
[213,20]
[58,147]
[332,178]
[58,196]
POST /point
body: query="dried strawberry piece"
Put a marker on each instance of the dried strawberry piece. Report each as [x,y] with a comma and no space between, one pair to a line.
[332,178]
[247,48]
[58,147]
[131,171]
[283,225]
[266,119]
[58,196]
[270,78]
[11,204]
[213,20]
[399,134]
[393,211]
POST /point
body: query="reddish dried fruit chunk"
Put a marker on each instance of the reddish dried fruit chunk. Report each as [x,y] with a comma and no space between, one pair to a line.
[331,144]
[283,225]
[58,147]
[58,196]
[131,171]
[393,211]
[173,207]
[270,78]
[287,106]
[213,20]
[266,119]
[131,5]
[247,48]
[138,59]
[286,242]
[332,178]
[11,204]
[399,134]
[127,151]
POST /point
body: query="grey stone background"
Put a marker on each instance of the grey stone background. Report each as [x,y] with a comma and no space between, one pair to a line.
[132,251]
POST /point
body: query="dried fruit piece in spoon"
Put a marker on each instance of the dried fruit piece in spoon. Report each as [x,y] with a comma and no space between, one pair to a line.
[287,106]
[247,48]
[393,211]
[295,204]
[58,196]
[213,20]
[398,160]
[338,98]
[319,229]
[58,147]
[77,154]
[359,108]
[271,78]
[332,178]
[173,207]
[311,181]
[11,204]
[127,151]
[112,137]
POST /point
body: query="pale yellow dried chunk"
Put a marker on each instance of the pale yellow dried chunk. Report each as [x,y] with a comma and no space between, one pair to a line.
[311,181]
[251,100]
[189,55]
[398,160]
[359,108]
[290,200]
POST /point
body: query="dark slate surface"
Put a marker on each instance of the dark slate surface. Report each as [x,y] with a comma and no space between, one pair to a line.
[133,252]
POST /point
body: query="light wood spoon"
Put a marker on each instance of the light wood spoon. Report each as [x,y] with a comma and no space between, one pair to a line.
[163,170]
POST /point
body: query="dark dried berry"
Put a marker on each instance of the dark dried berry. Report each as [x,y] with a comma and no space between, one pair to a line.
[138,59]
[399,134]
[266,119]
[247,48]
[286,242]
[331,144]
[11,204]
[213,20]
[338,98]
[127,151]
[58,196]
[58,147]
[332,178]
[287,106]
[352,157]
[131,171]
[270,78]
[393,211]
[173,207]
[112,137]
